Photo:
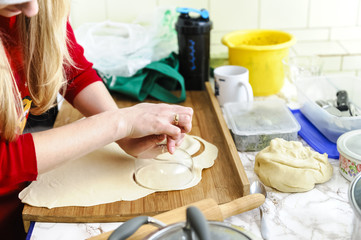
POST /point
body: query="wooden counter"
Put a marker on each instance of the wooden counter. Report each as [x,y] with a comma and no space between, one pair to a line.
[226,180]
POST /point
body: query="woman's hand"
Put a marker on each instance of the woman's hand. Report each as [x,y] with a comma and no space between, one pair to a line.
[144,127]
[146,147]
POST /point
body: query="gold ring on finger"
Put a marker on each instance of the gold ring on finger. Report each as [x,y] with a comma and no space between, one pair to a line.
[176,119]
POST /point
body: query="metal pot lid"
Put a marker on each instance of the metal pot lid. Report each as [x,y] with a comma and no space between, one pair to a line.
[218,230]
[349,144]
[355,195]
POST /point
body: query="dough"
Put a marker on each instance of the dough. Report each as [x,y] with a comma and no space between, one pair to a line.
[103,176]
[290,167]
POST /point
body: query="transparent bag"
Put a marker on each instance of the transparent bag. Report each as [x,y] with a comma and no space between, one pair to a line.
[121,49]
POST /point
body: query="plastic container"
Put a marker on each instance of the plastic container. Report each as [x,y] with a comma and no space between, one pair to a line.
[194,44]
[314,89]
[261,51]
[254,125]
[349,147]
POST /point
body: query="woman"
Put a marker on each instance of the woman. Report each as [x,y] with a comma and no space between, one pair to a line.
[39,58]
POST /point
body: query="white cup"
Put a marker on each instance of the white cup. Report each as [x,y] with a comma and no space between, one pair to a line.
[231,84]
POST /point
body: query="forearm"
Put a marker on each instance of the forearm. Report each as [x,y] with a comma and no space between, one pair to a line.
[71,141]
[79,138]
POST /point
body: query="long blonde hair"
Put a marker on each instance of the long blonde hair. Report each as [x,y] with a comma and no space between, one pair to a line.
[44,44]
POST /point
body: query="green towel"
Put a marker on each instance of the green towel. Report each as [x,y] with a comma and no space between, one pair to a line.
[157,79]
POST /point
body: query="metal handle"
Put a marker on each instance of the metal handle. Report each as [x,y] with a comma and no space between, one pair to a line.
[197,222]
[342,100]
[131,226]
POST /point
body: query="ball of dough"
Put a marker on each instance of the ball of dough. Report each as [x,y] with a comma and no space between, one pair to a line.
[288,166]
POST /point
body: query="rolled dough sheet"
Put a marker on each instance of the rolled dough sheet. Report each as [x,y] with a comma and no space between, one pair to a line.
[104,176]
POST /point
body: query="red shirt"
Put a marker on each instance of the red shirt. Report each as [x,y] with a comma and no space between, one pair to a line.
[18,164]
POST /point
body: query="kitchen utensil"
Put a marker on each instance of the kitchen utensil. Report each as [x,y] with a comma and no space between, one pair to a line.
[194,44]
[261,52]
[349,147]
[174,171]
[339,107]
[258,187]
[209,207]
[354,111]
[342,100]
[196,227]
[326,105]
[231,84]
[346,107]
[354,196]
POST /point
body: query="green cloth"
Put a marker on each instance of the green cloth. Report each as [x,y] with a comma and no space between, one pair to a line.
[157,79]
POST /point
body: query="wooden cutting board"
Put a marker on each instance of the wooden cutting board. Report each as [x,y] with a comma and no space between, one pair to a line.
[225,181]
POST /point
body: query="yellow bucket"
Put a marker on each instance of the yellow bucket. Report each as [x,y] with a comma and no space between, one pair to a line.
[261,51]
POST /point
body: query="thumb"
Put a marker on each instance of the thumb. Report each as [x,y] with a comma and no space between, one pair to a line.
[151,146]
[150,141]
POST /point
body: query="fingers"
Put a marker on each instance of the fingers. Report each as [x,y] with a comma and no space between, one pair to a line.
[170,145]
[182,118]
[173,143]
[183,121]
[148,146]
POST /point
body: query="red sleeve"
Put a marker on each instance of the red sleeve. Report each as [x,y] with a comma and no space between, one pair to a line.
[82,74]
[18,161]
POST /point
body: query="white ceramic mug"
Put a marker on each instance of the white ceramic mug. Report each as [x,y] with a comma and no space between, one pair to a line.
[231,84]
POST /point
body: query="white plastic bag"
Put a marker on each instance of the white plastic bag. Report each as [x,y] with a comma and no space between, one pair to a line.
[122,49]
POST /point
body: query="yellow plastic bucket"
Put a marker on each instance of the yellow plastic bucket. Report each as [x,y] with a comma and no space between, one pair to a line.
[261,51]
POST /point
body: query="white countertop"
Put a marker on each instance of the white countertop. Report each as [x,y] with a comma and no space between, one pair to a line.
[322,213]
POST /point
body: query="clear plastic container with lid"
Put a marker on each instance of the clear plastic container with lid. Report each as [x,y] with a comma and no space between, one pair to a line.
[253,125]
[313,89]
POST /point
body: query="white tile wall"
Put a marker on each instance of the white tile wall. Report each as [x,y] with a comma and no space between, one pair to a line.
[319,48]
[328,13]
[228,15]
[127,11]
[345,33]
[83,11]
[282,14]
[352,46]
[198,4]
[310,34]
[331,63]
[329,28]
[351,62]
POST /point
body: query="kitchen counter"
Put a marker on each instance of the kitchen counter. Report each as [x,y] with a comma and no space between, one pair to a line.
[322,213]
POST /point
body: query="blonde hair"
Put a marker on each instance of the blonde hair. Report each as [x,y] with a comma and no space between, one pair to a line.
[44,45]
